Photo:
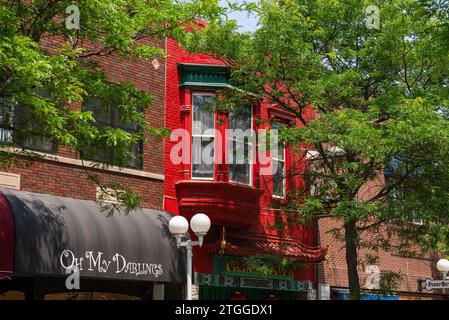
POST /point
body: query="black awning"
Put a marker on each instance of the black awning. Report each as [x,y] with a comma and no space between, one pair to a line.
[52,233]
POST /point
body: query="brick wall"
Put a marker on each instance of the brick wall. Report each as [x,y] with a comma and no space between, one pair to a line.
[333,271]
[66,180]
[71,180]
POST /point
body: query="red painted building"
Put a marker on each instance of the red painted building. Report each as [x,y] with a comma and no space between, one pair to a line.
[240,199]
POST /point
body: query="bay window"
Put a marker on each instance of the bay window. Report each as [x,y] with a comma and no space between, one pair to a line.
[240,146]
[203,136]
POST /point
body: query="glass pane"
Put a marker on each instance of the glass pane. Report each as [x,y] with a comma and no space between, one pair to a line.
[239,154]
[281,152]
[95,154]
[202,157]
[5,135]
[118,122]
[240,119]
[278,178]
[240,163]
[100,112]
[240,173]
[135,161]
[6,113]
[39,144]
[203,116]
[26,134]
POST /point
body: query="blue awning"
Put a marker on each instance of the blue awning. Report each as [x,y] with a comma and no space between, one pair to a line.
[343,294]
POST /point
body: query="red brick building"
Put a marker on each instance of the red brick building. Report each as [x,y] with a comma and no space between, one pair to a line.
[240,200]
[62,172]
[46,222]
[332,273]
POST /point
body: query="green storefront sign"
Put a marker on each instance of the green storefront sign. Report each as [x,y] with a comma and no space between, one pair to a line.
[232,272]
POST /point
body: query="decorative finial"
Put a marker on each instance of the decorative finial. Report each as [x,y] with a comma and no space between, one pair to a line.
[223,243]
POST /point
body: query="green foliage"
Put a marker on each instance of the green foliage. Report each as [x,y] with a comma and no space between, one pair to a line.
[377,95]
[389,282]
[263,265]
[67,73]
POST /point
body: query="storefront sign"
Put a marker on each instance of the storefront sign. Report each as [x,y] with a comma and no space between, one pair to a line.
[256,283]
[239,266]
[221,280]
[436,284]
[98,263]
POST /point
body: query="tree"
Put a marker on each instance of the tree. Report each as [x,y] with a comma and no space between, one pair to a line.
[45,81]
[380,96]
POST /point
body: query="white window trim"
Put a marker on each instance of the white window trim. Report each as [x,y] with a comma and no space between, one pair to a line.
[284,184]
[201,136]
[251,158]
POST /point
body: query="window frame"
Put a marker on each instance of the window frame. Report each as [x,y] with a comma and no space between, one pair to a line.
[284,180]
[250,146]
[284,171]
[112,124]
[192,136]
[14,117]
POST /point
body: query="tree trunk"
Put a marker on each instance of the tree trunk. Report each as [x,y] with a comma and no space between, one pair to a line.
[351,258]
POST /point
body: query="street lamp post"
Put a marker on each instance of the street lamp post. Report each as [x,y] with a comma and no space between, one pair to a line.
[443,267]
[178,226]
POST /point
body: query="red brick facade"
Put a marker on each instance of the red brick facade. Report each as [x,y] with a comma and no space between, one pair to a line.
[68,178]
[333,271]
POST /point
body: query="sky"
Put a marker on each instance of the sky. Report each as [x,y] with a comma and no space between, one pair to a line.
[245,22]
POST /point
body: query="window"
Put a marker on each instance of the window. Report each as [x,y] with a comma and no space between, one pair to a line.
[6,121]
[240,146]
[279,170]
[107,116]
[26,134]
[321,186]
[203,137]
[33,141]
[398,193]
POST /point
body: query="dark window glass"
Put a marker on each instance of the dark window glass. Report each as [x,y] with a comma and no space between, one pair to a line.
[27,129]
[241,144]
[203,137]
[109,116]
[279,173]
[23,120]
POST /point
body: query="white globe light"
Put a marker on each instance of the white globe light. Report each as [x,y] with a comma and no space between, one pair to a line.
[178,225]
[443,265]
[200,223]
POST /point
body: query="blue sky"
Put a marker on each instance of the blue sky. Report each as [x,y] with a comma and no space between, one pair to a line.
[245,22]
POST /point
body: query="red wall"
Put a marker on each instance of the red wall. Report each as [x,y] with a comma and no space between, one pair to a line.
[175,98]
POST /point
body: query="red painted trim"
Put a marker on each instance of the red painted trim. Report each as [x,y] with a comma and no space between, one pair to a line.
[281,115]
[282,248]
[7,238]
[201,59]
[225,203]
